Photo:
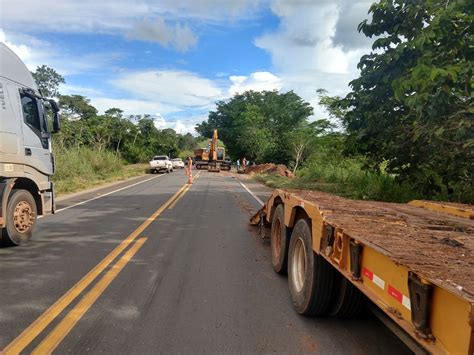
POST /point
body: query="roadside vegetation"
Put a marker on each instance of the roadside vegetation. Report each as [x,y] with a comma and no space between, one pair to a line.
[404,130]
[93,149]
[83,168]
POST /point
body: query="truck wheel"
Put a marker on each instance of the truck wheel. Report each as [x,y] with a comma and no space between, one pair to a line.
[279,241]
[310,277]
[20,218]
[348,301]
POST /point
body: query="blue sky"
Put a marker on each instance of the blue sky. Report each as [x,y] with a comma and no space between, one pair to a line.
[175,58]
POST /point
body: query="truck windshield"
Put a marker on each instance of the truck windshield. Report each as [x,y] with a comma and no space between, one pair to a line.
[159,158]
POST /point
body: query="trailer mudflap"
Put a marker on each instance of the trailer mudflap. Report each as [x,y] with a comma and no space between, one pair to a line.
[256,219]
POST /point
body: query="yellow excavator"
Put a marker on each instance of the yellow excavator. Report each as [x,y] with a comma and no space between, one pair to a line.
[212,158]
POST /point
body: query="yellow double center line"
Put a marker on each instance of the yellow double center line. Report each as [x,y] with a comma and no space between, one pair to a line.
[182,193]
[70,320]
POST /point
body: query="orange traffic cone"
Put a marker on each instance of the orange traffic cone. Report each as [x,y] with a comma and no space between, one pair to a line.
[190,178]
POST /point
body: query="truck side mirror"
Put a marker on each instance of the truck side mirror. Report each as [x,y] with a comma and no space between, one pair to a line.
[56,117]
[56,122]
[54,105]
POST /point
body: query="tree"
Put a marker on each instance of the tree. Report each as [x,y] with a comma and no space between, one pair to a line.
[258,125]
[304,139]
[76,107]
[411,108]
[48,80]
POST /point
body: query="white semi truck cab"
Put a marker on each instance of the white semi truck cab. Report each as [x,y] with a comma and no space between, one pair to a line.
[26,158]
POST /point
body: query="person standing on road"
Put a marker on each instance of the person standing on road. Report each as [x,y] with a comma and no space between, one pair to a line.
[189,167]
[238,164]
[244,163]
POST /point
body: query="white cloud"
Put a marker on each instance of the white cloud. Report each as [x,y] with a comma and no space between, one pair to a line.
[185,124]
[21,50]
[111,15]
[34,52]
[125,17]
[160,122]
[257,81]
[316,45]
[181,126]
[131,106]
[66,89]
[171,87]
[157,30]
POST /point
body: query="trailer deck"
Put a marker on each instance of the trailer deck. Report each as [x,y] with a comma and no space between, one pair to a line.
[437,246]
[414,261]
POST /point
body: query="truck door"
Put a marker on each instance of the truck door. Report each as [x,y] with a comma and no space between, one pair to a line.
[35,134]
[11,161]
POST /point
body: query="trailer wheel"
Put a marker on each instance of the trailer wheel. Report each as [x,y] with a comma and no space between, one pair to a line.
[348,301]
[279,241]
[20,218]
[310,277]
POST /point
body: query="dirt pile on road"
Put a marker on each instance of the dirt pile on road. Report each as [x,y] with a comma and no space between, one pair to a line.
[270,168]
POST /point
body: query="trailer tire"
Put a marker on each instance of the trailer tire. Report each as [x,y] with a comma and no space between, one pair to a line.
[279,241]
[20,218]
[348,300]
[310,277]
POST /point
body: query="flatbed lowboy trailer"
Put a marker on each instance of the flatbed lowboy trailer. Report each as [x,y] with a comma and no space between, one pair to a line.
[414,261]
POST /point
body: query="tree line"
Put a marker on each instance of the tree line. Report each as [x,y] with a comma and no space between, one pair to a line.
[134,138]
[409,114]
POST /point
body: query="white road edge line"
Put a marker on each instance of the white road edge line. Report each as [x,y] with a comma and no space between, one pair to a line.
[251,193]
[106,194]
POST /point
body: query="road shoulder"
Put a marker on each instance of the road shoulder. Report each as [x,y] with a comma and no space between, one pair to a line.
[69,199]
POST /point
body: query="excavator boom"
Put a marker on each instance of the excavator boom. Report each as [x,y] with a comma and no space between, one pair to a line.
[212,157]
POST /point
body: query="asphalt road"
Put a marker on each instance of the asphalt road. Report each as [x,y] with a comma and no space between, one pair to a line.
[131,272]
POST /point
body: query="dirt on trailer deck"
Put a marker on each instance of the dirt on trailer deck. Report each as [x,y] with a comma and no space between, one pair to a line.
[437,246]
[279,169]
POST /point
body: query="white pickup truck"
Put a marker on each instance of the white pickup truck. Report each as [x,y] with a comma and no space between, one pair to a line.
[161,163]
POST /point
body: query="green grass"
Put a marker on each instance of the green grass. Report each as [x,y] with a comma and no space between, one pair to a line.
[83,168]
[345,178]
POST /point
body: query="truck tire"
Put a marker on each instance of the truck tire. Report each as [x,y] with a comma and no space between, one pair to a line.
[20,218]
[348,301]
[279,241]
[310,277]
